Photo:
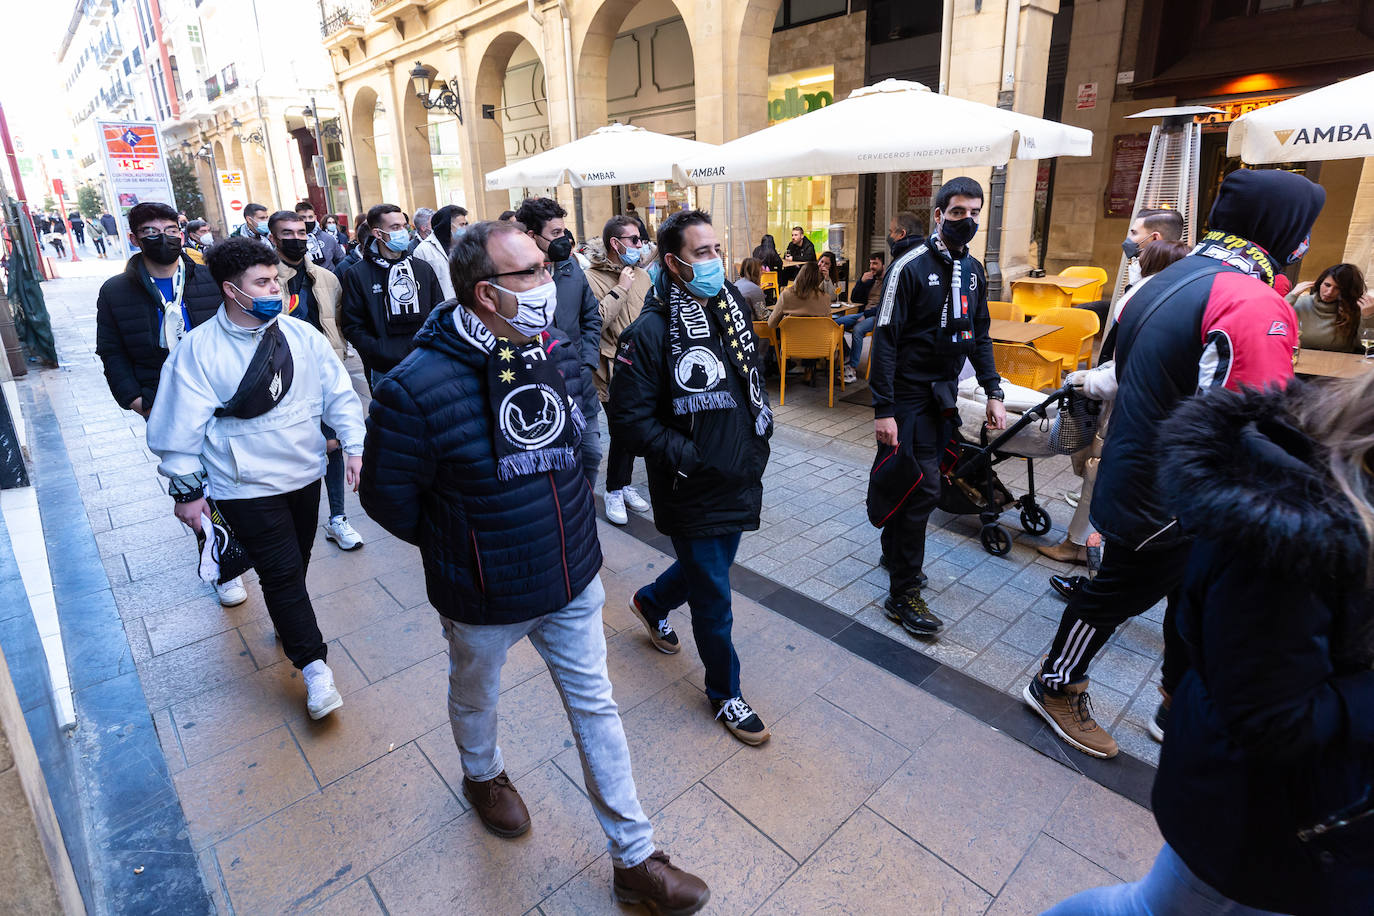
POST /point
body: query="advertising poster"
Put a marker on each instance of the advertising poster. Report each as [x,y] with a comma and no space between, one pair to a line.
[233,194]
[134,166]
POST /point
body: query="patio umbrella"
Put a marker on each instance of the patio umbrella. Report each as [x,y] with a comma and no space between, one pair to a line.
[1328,123]
[892,126]
[612,155]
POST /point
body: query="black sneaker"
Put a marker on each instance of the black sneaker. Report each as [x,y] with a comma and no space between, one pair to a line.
[661,632]
[910,610]
[741,721]
[1066,586]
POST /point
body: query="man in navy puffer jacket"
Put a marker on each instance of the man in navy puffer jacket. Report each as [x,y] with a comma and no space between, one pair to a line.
[473,453]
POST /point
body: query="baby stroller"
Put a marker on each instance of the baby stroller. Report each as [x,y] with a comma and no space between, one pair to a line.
[969,485]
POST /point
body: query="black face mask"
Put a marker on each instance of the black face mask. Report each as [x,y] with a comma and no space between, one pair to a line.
[560,249]
[310,225]
[161,249]
[893,243]
[957,233]
[1130,248]
[293,249]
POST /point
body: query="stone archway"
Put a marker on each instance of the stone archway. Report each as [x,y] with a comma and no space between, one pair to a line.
[362,113]
[413,144]
[488,139]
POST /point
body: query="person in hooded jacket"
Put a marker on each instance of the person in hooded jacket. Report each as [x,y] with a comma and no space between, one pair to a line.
[433,249]
[1263,793]
[687,393]
[1209,321]
[621,286]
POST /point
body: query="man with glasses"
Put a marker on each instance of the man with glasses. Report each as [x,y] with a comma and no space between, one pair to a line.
[621,284]
[387,294]
[578,314]
[144,312]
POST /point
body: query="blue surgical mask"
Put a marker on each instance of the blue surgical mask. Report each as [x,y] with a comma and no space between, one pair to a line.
[707,277]
[265,308]
[458,232]
[630,256]
[398,240]
[260,228]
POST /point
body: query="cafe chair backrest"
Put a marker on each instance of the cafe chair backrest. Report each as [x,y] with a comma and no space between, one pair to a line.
[1005,311]
[1073,342]
[1093,291]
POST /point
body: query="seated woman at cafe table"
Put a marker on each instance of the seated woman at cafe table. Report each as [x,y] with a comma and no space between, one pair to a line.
[1333,311]
[829,274]
[803,299]
[750,275]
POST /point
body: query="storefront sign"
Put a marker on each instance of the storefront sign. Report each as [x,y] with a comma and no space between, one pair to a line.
[135,166]
[1128,160]
[1230,109]
[791,95]
[234,195]
[1087,96]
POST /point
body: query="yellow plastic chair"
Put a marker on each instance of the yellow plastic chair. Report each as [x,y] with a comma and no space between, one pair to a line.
[764,333]
[1034,298]
[1005,311]
[810,338]
[1093,291]
[768,279]
[1073,342]
[868,356]
[1022,364]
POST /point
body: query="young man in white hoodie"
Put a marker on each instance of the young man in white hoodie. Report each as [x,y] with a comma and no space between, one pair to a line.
[237,418]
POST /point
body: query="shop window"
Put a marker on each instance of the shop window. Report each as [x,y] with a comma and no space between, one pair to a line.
[1232,9]
[894,20]
[801,12]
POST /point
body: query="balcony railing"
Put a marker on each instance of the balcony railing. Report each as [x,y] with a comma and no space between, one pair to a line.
[338,16]
[212,88]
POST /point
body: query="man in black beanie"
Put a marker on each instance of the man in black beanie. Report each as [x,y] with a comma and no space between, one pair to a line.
[1211,320]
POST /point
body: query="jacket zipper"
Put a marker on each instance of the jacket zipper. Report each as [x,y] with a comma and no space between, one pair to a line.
[562,536]
[477,561]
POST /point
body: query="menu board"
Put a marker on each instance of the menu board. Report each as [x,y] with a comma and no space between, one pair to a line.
[1128,159]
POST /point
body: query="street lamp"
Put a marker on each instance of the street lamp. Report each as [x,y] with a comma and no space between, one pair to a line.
[322,169]
[254,137]
[422,79]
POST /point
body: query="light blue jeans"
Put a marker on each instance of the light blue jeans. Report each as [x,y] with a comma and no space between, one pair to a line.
[858,326]
[1170,888]
[572,643]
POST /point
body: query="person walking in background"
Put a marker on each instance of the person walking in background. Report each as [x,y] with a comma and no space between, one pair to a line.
[98,238]
[578,314]
[621,286]
[325,250]
[331,225]
[78,224]
[1336,312]
[255,225]
[1208,322]
[111,227]
[198,239]
[471,455]
[386,295]
[687,393]
[750,276]
[433,249]
[933,317]
[767,254]
[1263,790]
[355,251]
[420,223]
[211,428]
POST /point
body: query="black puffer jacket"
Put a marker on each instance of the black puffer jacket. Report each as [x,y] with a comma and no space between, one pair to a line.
[127,325]
[1272,729]
[705,469]
[363,312]
[495,551]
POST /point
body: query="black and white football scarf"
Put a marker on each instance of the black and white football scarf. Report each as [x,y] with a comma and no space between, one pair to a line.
[698,354]
[402,292]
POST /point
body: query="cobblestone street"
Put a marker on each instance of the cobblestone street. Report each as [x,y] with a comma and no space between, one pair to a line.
[902,776]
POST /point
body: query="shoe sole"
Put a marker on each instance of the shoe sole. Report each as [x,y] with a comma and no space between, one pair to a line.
[329,536]
[1045,714]
[223,603]
[338,701]
[753,739]
[912,631]
[634,898]
[496,831]
[619,522]
[1155,731]
[665,648]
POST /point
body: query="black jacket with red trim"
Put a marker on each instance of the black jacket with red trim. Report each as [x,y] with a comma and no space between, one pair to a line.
[495,551]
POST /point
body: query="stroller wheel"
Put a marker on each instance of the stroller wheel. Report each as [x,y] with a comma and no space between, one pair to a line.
[1035,520]
[995,540]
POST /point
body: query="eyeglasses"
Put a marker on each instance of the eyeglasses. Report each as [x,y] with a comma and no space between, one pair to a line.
[546,269]
[632,239]
[149,235]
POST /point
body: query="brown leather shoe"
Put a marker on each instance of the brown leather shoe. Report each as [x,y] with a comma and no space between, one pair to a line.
[498,806]
[662,886]
[1066,551]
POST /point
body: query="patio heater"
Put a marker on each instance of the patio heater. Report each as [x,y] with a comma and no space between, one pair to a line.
[1169,178]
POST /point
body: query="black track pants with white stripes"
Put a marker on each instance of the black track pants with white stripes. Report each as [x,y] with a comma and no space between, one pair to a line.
[1129,583]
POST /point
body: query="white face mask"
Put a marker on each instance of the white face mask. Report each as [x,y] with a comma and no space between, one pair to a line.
[1132,272]
[207,239]
[535,307]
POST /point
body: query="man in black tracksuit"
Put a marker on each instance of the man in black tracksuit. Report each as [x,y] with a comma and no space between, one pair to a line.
[933,315]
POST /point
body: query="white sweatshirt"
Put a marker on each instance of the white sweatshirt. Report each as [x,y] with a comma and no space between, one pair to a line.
[278,452]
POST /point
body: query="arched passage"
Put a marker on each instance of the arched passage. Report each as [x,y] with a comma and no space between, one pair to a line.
[414,145]
[511,79]
[366,157]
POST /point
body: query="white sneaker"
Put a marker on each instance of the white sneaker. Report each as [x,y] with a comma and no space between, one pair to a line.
[615,507]
[850,375]
[341,533]
[321,696]
[232,593]
[634,500]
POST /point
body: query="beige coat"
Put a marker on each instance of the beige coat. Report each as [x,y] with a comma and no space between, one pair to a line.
[618,309]
[324,297]
[817,306]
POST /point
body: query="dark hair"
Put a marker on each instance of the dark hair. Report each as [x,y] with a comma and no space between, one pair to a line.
[799,229]
[506,216]
[669,240]
[808,282]
[1168,223]
[142,214]
[768,243]
[458,211]
[303,206]
[283,216]
[441,223]
[361,230]
[252,209]
[834,261]
[876,256]
[612,230]
[751,270]
[1159,254]
[1350,287]
[196,225]
[535,212]
[963,186]
[470,262]
[910,223]
[374,216]
[229,259]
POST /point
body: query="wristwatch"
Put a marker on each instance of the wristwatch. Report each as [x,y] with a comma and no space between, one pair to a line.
[996,394]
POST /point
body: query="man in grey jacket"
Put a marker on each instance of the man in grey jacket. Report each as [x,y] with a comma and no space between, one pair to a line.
[578,314]
[237,418]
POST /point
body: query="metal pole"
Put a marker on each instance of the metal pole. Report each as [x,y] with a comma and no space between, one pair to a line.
[324,160]
[219,195]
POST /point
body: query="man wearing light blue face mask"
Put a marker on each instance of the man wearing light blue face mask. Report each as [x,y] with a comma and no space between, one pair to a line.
[386,295]
[255,225]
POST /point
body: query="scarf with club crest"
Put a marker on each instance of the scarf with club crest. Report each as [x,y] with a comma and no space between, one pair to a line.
[699,353]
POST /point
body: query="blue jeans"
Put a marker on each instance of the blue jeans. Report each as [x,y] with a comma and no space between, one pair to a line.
[1170,887]
[334,474]
[701,579]
[591,439]
[572,643]
[858,326]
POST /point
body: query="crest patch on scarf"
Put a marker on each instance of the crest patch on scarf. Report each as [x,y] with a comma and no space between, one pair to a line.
[699,365]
